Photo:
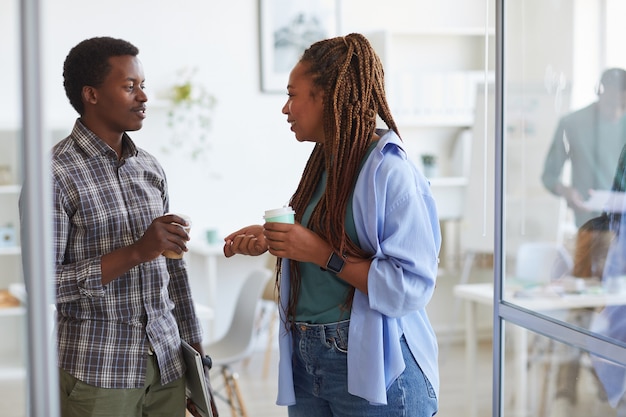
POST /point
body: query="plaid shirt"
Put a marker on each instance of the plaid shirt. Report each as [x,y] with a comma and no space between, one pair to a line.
[104,333]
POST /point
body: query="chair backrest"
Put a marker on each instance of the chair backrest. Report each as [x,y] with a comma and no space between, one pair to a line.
[541,262]
[593,241]
[241,332]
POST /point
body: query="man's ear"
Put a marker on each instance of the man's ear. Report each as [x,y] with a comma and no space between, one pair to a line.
[90,95]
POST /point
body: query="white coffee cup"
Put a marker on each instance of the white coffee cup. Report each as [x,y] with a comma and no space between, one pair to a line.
[171,254]
[280,215]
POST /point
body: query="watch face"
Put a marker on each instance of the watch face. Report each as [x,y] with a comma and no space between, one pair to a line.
[335,263]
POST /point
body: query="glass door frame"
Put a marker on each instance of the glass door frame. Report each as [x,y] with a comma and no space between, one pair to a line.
[42,372]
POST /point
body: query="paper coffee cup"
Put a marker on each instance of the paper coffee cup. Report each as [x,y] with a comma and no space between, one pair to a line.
[171,254]
[280,215]
[212,237]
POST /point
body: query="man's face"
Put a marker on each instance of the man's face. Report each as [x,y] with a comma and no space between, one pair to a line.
[613,103]
[120,100]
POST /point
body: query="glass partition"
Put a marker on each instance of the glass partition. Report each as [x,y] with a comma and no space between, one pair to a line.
[554,379]
[564,131]
[562,261]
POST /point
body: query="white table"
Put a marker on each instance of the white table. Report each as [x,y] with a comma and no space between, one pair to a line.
[477,294]
[202,262]
[203,257]
[215,279]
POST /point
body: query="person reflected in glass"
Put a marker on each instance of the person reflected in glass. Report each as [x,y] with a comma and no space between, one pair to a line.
[593,240]
[591,139]
[359,266]
[611,321]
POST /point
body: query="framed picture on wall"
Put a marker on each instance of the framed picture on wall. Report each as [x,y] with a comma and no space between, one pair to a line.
[288,27]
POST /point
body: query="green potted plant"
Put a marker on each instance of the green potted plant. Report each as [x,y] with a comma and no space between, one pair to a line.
[189,116]
[429,165]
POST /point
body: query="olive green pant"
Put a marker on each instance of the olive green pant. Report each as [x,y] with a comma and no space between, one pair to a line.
[153,400]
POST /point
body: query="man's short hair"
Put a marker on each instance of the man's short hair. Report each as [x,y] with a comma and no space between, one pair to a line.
[88,64]
[613,79]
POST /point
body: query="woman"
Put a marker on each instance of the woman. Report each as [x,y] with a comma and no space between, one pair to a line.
[359,265]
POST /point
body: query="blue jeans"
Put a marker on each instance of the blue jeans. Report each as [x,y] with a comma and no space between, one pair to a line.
[320,374]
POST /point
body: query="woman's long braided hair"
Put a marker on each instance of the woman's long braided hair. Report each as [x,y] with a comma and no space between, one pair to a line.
[350,74]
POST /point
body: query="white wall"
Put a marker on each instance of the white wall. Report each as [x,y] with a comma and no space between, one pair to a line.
[220,39]
[254,152]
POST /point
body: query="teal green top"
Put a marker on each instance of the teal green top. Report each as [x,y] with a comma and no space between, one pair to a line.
[323,295]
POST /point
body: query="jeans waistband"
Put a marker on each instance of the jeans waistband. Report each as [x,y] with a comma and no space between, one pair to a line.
[325,328]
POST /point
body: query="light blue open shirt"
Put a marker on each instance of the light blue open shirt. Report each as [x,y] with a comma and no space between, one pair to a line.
[396,220]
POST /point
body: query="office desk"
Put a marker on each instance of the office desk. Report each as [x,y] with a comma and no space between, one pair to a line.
[477,294]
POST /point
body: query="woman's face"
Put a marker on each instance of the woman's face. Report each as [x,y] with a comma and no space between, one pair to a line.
[304,106]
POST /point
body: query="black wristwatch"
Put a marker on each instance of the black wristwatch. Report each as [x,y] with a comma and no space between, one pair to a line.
[335,263]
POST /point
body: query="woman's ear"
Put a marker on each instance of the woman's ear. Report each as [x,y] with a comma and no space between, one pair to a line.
[318,94]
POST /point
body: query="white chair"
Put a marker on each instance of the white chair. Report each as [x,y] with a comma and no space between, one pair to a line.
[539,263]
[542,262]
[239,340]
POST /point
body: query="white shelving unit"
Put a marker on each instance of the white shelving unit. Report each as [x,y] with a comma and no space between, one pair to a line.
[12,319]
[9,220]
[432,77]
[431,82]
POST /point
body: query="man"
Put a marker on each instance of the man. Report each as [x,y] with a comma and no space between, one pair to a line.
[122,307]
[591,139]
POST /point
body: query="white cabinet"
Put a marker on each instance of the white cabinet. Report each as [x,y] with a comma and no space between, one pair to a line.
[9,235]
[12,350]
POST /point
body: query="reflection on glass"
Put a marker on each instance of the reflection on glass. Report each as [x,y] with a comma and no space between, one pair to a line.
[559,380]
[612,378]
[590,139]
[562,218]
[564,192]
